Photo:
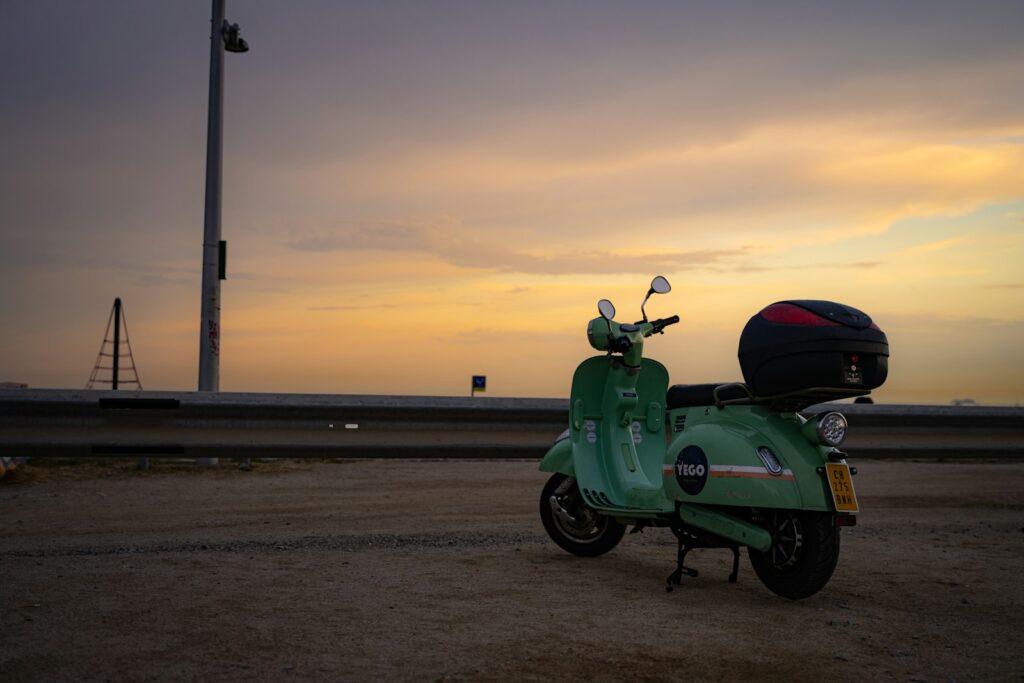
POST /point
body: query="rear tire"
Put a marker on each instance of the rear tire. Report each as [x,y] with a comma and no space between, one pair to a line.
[587,533]
[804,552]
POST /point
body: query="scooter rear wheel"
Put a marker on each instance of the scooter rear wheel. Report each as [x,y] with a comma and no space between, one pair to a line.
[804,552]
[574,525]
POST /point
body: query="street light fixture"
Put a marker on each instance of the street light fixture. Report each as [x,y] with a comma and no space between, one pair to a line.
[232,41]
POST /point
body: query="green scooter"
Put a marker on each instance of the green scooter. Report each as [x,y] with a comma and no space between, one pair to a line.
[721,465]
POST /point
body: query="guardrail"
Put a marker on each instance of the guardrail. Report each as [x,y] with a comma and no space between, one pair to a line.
[82,423]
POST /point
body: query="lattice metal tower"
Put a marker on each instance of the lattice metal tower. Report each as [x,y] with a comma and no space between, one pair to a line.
[111,350]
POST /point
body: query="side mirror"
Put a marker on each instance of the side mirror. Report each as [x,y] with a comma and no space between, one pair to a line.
[659,285]
[606,308]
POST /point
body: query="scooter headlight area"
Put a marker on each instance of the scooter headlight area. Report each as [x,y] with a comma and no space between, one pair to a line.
[598,334]
[827,429]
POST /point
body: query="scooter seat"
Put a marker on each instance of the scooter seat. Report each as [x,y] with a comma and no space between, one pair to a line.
[691,395]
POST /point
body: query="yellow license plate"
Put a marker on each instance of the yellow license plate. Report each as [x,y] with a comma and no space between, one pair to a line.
[841,484]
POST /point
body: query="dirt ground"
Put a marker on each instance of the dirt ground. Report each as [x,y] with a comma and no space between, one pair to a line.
[440,570]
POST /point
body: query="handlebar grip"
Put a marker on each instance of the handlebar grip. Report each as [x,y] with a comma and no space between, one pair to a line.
[658,325]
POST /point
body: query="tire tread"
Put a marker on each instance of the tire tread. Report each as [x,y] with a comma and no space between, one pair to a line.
[613,533]
[813,570]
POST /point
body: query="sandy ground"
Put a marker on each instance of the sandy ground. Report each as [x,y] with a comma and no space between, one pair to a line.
[416,570]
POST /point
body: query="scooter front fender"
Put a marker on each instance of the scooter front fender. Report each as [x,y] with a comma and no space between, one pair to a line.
[559,456]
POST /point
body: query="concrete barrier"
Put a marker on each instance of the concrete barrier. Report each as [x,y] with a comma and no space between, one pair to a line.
[83,423]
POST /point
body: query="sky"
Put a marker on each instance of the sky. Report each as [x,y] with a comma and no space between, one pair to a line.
[417,192]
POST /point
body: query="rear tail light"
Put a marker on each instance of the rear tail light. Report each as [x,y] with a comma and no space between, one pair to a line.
[846,520]
[788,314]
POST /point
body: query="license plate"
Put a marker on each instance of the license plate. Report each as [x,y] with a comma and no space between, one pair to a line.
[841,484]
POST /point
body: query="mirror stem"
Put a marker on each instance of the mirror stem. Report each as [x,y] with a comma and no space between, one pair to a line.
[644,303]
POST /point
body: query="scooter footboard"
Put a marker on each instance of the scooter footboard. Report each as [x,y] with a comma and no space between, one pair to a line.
[726,526]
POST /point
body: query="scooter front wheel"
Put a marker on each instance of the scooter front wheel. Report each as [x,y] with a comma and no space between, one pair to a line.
[804,552]
[574,525]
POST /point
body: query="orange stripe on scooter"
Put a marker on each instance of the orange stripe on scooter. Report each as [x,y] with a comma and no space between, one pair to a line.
[751,475]
[747,472]
[737,472]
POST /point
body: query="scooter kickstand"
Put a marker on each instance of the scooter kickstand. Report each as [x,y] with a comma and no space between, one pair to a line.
[676,577]
[735,563]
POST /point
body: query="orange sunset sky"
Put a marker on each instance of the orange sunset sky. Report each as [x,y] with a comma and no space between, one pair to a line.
[416,192]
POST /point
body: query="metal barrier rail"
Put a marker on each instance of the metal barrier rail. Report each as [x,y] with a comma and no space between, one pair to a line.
[80,423]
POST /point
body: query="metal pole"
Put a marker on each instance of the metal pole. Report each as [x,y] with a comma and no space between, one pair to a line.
[117,343]
[209,326]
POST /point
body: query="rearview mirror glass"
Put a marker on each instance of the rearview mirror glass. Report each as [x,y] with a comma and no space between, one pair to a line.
[606,308]
[660,285]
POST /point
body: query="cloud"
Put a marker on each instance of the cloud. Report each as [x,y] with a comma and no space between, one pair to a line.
[930,247]
[485,336]
[856,265]
[447,239]
[952,321]
[351,307]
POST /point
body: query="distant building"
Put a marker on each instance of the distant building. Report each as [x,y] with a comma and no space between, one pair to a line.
[13,385]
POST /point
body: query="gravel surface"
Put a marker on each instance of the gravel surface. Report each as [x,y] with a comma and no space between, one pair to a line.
[440,570]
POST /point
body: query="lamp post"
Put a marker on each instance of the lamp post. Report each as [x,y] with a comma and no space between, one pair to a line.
[223,36]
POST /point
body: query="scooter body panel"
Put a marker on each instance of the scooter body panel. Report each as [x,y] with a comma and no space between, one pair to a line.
[713,460]
[559,457]
[617,431]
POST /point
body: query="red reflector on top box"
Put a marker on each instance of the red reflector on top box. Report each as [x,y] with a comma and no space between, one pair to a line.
[788,314]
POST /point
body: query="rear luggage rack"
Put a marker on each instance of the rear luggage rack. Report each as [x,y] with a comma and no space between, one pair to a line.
[789,402]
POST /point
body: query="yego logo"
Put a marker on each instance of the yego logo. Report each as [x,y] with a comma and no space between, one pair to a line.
[684,470]
[692,470]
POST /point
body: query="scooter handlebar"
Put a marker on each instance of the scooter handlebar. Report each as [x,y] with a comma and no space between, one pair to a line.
[658,325]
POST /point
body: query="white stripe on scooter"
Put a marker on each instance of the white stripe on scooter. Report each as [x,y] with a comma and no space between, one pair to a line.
[738,471]
[748,472]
